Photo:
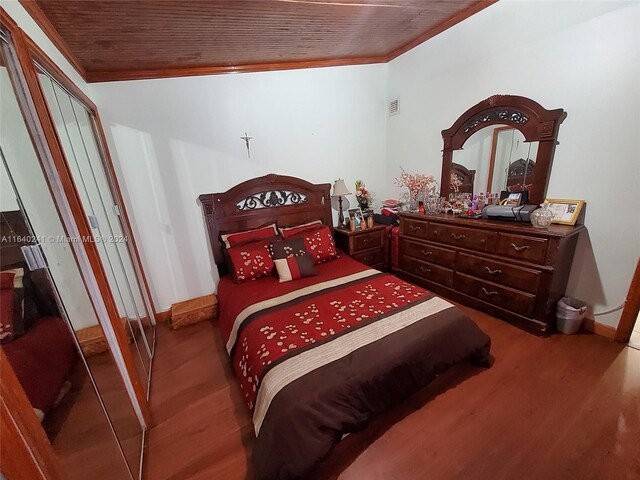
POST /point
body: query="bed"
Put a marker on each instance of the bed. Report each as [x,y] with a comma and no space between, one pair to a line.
[41,349]
[316,358]
[462,179]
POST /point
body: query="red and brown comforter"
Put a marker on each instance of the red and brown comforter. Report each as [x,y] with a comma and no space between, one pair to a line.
[318,357]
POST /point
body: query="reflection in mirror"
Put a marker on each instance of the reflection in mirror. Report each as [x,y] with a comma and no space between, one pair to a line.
[75,130]
[493,159]
[76,391]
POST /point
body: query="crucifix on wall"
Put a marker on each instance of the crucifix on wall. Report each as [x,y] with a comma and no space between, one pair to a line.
[246,139]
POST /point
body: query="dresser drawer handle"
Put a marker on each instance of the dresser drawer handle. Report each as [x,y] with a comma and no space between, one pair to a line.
[493,272]
[425,270]
[366,240]
[414,228]
[366,259]
[487,292]
[457,237]
[425,253]
[519,248]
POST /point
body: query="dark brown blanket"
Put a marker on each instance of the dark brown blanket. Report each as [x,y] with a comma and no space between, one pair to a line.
[309,416]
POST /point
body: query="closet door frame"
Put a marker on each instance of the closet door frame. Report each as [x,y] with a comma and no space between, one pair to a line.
[52,69]
[23,47]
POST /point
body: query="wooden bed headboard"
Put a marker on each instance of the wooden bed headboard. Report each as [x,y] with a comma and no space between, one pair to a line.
[259,201]
[464,177]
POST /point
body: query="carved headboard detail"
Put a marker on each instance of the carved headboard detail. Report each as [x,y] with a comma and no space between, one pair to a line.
[462,179]
[259,201]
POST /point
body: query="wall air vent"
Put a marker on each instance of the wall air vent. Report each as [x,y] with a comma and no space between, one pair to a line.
[394,106]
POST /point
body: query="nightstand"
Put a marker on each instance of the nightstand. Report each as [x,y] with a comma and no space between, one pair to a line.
[368,246]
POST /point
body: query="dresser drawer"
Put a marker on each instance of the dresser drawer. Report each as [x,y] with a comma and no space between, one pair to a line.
[414,228]
[509,275]
[426,251]
[507,298]
[372,258]
[428,271]
[482,240]
[364,241]
[531,249]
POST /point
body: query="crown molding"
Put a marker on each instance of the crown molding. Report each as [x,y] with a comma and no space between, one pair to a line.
[50,31]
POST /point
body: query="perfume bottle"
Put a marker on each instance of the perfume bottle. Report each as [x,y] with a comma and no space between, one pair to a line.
[481,201]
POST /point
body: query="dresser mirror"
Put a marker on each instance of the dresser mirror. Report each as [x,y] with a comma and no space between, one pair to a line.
[493,159]
[505,142]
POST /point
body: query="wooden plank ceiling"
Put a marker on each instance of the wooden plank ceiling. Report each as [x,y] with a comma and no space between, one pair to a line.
[120,39]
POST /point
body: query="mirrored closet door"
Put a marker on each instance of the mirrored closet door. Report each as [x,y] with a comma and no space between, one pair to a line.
[76,130]
[75,389]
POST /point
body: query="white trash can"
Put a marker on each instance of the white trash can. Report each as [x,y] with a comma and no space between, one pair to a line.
[570,313]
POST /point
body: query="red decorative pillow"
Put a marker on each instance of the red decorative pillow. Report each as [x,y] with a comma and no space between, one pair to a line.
[295,267]
[236,238]
[288,232]
[11,304]
[319,243]
[250,261]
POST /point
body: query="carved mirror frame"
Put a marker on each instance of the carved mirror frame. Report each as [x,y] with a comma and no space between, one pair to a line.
[535,122]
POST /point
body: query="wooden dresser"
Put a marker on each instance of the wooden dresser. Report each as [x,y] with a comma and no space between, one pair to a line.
[510,270]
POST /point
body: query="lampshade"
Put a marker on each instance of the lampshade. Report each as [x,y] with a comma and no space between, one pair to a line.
[340,189]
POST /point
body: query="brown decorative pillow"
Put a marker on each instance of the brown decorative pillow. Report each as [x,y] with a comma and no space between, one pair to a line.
[287,248]
[250,261]
[295,267]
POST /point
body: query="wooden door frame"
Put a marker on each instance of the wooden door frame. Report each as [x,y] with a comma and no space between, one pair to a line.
[21,43]
[52,69]
[631,309]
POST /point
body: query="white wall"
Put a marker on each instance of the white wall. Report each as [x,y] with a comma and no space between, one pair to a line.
[580,56]
[175,139]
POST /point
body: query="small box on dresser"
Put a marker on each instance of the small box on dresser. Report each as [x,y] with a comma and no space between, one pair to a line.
[369,246]
[510,270]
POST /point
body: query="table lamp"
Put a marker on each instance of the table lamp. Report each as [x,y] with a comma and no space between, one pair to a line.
[340,190]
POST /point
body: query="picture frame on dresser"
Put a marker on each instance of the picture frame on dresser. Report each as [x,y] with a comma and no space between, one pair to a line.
[355,215]
[565,211]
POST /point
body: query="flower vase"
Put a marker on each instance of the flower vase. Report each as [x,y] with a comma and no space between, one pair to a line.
[542,217]
[413,201]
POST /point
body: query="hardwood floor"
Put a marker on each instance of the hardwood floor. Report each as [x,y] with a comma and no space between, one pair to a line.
[78,429]
[563,407]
